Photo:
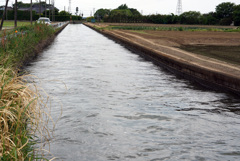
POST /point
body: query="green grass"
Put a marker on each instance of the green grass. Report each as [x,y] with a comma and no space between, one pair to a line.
[19,23]
[21,107]
[160,28]
[17,48]
[230,54]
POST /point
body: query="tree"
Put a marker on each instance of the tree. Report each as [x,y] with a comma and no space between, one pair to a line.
[120,15]
[209,19]
[135,12]
[225,10]
[123,7]
[101,13]
[236,15]
[191,17]
[64,13]
[5,10]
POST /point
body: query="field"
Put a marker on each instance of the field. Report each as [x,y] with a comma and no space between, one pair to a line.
[218,42]
[19,23]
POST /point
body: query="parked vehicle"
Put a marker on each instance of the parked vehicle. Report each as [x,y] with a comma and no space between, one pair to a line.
[44,20]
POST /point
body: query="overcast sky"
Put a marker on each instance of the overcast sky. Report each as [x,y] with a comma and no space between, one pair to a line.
[144,6]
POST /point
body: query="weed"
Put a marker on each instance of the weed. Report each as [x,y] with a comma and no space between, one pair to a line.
[22,108]
[21,116]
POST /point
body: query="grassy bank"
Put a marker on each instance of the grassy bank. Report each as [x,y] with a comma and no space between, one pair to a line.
[18,46]
[173,28]
[21,108]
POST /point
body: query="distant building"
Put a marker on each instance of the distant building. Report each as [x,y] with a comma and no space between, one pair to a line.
[3,8]
[37,8]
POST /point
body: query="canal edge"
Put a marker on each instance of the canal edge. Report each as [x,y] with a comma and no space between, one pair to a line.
[207,78]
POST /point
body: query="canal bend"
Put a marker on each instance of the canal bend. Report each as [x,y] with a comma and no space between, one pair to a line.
[118,106]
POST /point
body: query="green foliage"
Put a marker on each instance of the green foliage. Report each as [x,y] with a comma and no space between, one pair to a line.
[209,19]
[64,13]
[17,48]
[21,15]
[162,19]
[236,15]
[226,21]
[225,10]
[119,15]
[162,28]
[225,13]
[191,17]
[122,7]
[89,19]
[22,5]
[135,12]
[102,13]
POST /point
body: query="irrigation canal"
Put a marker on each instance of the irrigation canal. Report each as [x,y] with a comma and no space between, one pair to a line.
[118,106]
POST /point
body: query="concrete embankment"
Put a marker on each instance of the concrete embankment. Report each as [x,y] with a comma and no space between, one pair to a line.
[208,72]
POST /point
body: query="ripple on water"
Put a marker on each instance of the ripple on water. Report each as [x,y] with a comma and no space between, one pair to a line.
[118,106]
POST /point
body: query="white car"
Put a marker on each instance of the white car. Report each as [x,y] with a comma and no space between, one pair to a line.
[44,20]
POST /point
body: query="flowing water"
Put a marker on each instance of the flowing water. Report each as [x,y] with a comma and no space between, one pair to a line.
[118,106]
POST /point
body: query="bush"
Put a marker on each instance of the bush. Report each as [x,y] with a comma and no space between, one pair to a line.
[21,15]
[226,21]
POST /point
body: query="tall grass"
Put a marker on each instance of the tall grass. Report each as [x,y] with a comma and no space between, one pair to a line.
[19,46]
[21,117]
[156,28]
[23,114]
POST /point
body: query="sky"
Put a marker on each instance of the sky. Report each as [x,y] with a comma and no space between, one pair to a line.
[146,7]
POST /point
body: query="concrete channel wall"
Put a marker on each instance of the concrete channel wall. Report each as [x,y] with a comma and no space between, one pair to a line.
[208,78]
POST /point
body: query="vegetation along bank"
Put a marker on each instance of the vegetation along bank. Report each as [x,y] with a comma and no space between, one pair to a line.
[21,106]
[166,45]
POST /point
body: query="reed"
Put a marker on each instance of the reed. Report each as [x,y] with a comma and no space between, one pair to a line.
[22,117]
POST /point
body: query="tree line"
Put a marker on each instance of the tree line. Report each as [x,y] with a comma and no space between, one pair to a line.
[25,15]
[225,14]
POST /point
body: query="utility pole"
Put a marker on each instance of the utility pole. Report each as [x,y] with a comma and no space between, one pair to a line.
[31,12]
[15,14]
[6,13]
[179,8]
[5,10]
[49,10]
[45,8]
[53,14]
[40,5]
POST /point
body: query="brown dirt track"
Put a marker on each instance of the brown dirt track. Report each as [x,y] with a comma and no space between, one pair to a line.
[168,44]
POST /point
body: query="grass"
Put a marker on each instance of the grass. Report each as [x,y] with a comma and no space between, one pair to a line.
[19,23]
[18,45]
[230,54]
[20,117]
[160,28]
[21,105]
